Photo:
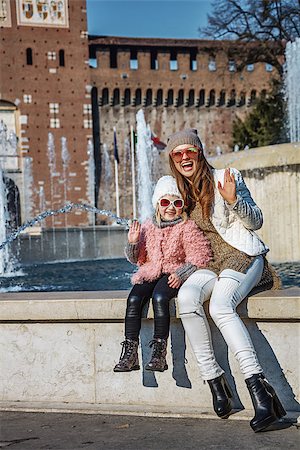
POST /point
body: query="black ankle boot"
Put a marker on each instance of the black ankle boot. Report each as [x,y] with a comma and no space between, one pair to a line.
[158,359]
[222,395]
[129,359]
[266,404]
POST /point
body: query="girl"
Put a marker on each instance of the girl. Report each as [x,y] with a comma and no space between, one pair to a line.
[221,205]
[164,250]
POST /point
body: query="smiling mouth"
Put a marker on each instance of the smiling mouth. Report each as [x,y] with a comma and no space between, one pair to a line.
[187,165]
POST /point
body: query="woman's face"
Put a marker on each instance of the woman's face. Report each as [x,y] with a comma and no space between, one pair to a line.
[185,158]
[170,207]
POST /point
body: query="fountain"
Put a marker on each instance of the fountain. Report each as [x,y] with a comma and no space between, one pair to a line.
[147,158]
[292,88]
[81,247]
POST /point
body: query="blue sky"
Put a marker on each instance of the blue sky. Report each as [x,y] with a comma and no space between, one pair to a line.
[144,18]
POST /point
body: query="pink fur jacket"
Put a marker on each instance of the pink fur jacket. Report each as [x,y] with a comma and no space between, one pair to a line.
[165,250]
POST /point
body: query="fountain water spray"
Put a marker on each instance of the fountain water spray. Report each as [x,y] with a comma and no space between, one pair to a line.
[107,177]
[147,157]
[65,162]
[91,176]
[292,88]
[28,187]
[52,167]
[63,210]
[4,259]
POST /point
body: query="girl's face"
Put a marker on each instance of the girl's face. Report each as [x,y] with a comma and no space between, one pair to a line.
[185,158]
[170,207]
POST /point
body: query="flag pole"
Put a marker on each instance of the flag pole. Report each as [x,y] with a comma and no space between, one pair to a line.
[116,178]
[133,172]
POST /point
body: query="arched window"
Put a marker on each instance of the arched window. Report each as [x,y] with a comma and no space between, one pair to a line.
[29,60]
[212,98]
[159,97]
[263,93]
[180,98]
[242,99]
[170,98]
[201,98]
[61,57]
[252,97]
[232,98]
[191,98]
[222,98]
[116,97]
[148,99]
[138,97]
[105,97]
[127,97]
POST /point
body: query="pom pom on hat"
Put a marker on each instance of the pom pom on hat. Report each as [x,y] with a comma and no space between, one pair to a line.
[187,136]
[166,185]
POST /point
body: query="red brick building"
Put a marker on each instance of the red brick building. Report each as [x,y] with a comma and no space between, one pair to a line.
[45,87]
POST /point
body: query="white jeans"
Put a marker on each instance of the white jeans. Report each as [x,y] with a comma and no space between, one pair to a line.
[226,292]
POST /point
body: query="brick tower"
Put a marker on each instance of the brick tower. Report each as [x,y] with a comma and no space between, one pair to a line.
[45,88]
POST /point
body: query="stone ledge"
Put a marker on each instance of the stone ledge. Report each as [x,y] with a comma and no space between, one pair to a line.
[110,305]
[130,410]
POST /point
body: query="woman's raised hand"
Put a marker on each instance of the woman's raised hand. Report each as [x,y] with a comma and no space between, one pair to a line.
[134,232]
[228,190]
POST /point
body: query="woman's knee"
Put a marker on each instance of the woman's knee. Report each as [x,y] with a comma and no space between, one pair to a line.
[189,299]
[220,308]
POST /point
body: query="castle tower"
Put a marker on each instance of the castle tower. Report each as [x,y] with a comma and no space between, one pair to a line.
[45,88]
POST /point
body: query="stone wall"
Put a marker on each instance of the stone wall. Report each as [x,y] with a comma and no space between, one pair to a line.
[58,351]
[273,176]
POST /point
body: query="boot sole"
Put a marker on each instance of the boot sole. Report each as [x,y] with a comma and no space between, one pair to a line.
[264,424]
[127,370]
[152,369]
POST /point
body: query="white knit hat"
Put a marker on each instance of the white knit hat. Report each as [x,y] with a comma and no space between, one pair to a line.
[166,185]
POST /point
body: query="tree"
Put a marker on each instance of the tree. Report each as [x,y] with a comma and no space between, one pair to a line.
[269,23]
[264,125]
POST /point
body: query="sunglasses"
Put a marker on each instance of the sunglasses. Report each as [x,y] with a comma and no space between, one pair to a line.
[191,152]
[165,202]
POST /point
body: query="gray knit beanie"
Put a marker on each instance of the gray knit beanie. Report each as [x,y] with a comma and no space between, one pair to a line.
[187,136]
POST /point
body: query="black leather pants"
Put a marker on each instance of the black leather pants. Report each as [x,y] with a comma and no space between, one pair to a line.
[140,294]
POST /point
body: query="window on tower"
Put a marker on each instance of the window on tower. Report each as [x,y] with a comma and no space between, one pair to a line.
[29,56]
[61,56]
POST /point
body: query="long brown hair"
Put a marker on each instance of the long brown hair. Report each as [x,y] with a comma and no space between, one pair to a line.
[198,189]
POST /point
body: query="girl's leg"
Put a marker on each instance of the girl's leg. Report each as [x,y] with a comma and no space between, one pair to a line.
[138,297]
[161,297]
[191,296]
[230,289]
[162,294]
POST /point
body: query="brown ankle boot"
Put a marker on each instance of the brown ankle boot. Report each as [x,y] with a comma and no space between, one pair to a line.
[129,359]
[158,360]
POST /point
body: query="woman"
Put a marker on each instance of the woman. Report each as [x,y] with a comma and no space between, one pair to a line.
[221,205]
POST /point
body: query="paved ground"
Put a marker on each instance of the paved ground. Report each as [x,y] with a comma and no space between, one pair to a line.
[37,431]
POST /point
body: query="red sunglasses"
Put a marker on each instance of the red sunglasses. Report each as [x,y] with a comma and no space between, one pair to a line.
[165,202]
[191,152]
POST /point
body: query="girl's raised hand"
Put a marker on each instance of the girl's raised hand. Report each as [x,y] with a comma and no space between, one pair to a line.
[134,232]
[228,190]
[174,281]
